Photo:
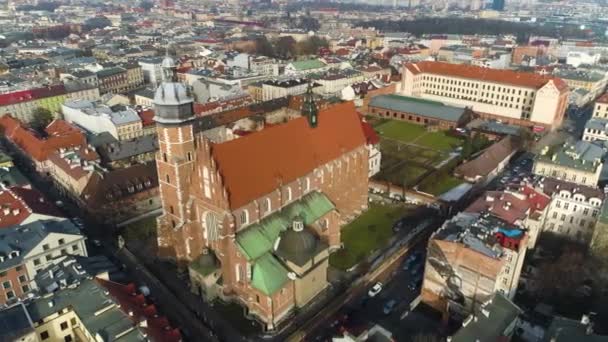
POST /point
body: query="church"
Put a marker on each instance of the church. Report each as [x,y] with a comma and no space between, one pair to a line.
[254,219]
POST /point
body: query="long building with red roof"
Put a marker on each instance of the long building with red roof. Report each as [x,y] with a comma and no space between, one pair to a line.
[59,134]
[525,99]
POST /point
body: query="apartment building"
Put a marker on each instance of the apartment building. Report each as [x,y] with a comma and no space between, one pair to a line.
[96,118]
[275,89]
[73,304]
[522,205]
[592,81]
[23,205]
[580,163]
[574,209]
[471,257]
[113,80]
[596,128]
[21,104]
[524,99]
[335,80]
[151,68]
[26,249]
[259,65]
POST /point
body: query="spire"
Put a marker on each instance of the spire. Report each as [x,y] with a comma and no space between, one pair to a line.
[169,68]
[309,107]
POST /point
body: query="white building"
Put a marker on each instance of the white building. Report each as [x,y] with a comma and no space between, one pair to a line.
[596,128]
[152,70]
[260,65]
[335,82]
[576,58]
[580,163]
[96,118]
[574,209]
[275,89]
[519,98]
[35,245]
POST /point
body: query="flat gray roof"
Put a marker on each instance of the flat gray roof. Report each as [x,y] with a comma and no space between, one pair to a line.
[422,107]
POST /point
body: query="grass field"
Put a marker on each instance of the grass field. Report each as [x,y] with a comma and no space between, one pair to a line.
[439,186]
[439,141]
[368,232]
[140,230]
[402,131]
[418,135]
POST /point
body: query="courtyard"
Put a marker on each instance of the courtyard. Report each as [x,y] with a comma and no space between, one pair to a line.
[369,232]
[410,153]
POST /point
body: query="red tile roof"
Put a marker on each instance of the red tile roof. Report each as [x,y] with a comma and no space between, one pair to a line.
[603,98]
[503,205]
[370,133]
[60,135]
[18,203]
[147,117]
[157,328]
[512,205]
[286,152]
[31,94]
[523,79]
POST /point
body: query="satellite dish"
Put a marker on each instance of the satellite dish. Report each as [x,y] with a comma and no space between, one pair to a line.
[292,276]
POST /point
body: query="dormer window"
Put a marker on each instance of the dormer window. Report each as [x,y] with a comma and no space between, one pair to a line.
[13,254]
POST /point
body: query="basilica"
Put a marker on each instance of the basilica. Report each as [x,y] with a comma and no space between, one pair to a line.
[255,218]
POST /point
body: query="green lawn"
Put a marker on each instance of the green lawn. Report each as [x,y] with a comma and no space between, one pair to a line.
[399,130]
[140,230]
[439,141]
[402,174]
[439,186]
[417,134]
[368,232]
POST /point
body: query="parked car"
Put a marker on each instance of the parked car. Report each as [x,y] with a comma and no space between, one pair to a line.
[389,306]
[375,289]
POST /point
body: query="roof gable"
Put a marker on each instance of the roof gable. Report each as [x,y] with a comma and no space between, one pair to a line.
[283,153]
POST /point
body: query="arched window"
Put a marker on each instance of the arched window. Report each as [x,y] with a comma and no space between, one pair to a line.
[211,226]
[164,157]
[168,179]
[244,217]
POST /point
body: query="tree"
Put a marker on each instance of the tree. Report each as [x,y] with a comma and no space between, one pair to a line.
[309,24]
[146,5]
[98,22]
[264,47]
[285,47]
[41,117]
[479,142]
[311,45]
[467,148]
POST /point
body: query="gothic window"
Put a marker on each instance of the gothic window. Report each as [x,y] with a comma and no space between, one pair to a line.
[211,226]
[206,182]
